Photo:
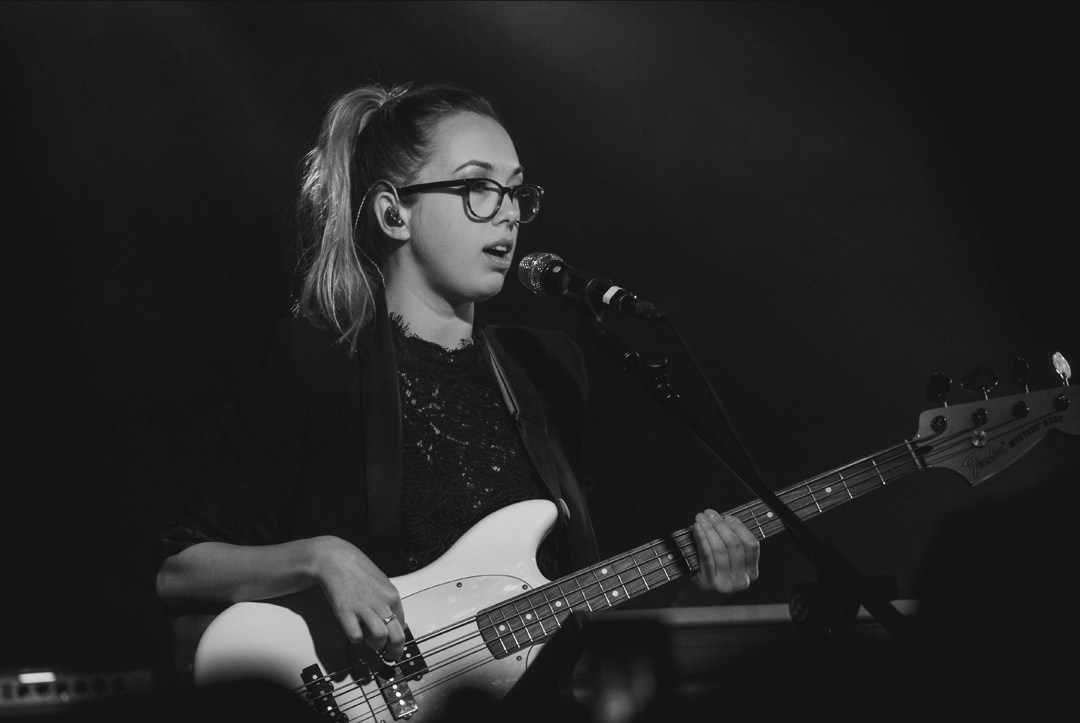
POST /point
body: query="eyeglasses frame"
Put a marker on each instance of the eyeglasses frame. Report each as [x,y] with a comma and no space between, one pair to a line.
[467,183]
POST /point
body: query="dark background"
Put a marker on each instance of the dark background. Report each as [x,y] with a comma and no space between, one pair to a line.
[832,201]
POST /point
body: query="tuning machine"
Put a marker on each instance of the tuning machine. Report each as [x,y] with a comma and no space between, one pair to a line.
[980,380]
[1061,366]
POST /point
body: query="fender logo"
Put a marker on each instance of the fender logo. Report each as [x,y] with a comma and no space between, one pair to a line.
[975,464]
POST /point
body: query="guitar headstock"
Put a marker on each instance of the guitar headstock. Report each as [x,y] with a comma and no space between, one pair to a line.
[978,439]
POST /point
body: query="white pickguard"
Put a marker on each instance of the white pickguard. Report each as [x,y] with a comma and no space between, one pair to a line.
[495,560]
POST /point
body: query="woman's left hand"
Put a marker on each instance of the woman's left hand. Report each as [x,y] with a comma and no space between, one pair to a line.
[728,553]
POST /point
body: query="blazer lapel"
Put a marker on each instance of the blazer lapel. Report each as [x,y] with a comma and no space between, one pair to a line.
[382,445]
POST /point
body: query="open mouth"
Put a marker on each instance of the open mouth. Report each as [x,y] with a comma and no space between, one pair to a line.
[499,250]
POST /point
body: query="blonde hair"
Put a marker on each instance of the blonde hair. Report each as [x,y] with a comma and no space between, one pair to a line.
[373,134]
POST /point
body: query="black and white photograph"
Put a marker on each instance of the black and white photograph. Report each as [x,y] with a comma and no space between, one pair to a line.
[517,361]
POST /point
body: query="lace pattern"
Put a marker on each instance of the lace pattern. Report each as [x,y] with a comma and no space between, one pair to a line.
[462,456]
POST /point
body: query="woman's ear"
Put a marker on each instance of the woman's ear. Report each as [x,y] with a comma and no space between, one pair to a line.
[391,216]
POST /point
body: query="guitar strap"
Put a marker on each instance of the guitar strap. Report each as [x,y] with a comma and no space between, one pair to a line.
[531,424]
[524,405]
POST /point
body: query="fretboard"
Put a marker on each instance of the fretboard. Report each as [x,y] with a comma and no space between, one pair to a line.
[536,615]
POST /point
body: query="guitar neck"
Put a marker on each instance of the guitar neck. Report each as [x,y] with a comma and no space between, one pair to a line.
[831,489]
[534,616]
[975,439]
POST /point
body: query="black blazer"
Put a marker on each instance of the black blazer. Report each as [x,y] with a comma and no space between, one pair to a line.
[313,445]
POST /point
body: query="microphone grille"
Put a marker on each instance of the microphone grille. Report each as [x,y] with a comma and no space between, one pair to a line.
[532,267]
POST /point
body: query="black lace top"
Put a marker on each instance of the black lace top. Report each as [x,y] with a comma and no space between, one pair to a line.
[462,456]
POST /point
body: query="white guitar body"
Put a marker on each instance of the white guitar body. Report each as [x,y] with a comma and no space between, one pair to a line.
[493,561]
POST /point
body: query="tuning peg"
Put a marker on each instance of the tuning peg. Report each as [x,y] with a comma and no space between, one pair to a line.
[980,380]
[1020,372]
[1061,366]
[938,389]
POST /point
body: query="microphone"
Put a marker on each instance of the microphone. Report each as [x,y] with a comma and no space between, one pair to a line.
[545,273]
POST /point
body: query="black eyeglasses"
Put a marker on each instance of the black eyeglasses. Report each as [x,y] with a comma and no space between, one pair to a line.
[483,196]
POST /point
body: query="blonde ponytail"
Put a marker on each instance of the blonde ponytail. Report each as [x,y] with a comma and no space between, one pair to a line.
[374,133]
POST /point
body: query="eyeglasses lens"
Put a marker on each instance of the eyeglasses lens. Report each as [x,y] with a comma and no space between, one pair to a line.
[484,198]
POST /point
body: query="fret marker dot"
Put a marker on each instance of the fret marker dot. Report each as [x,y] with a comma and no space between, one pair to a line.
[769,515]
[614,593]
[603,571]
[528,616]
[558,603]
[502,627]
[828,490]
[670,556]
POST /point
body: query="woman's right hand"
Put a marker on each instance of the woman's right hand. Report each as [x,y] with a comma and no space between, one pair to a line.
[364,600]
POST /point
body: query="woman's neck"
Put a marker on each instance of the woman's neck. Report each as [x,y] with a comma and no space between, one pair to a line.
[440,323]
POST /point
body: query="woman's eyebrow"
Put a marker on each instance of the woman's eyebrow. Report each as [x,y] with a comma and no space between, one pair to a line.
[487,167]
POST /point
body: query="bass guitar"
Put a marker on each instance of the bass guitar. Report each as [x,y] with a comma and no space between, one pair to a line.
[482,611]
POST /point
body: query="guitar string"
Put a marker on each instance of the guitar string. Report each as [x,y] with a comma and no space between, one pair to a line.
[483,647]
[940,448]
[658,575]
[850,485]
[485,660]
[940,451]
[853,484]
[872,476]
[561,582]
[442,663]
[835,489]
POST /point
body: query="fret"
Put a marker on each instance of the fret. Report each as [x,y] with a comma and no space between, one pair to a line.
[844,483]
[831,497]
[877,471]
[812,498]
[573,596]
[759,510]
[599,583]
[652,558]
[582,592]
[641,572]
[535,616]
[626,574]
[526,617]
[622,583]
[752,509]
[556,606]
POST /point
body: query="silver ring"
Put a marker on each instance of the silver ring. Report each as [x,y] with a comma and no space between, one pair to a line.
[386,620]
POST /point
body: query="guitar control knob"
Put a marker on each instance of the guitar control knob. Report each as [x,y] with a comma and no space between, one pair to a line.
[939,423]
[1061,403]
[979,417]
[1020,410]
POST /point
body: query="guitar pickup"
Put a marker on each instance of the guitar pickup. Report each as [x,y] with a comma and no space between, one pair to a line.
[392,680]
[320,693]
[395,690]
[412,666]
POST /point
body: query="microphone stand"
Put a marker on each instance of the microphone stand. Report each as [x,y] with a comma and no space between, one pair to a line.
[845,585]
